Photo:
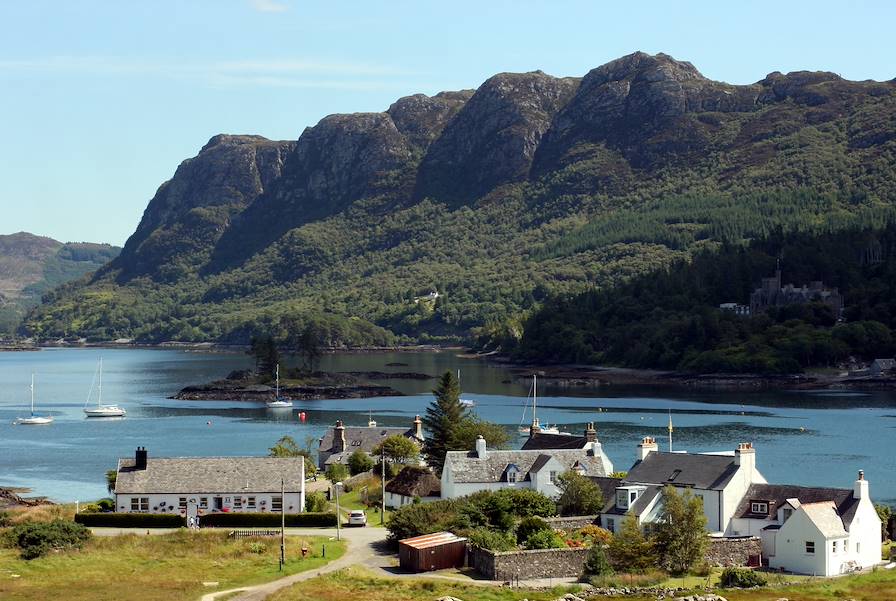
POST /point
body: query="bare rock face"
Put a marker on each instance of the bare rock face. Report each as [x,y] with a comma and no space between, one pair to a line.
[493,139]
[421,118]
[191,210]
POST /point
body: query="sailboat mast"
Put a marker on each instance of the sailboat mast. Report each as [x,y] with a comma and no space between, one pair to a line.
[99,398]
[534,398]
[277,384]
[32,395]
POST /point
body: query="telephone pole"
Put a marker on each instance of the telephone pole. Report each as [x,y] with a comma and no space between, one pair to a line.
[383,484]
[282,523]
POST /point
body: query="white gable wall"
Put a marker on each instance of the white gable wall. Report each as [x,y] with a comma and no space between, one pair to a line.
[790,548]
[864,535]
[733,494]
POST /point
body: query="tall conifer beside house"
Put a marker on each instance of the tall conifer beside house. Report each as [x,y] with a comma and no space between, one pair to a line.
[442,416]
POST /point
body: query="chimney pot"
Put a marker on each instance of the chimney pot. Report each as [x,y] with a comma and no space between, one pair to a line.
[481,451]
[140,458]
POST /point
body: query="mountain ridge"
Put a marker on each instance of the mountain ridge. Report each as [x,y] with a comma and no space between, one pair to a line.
[463,192]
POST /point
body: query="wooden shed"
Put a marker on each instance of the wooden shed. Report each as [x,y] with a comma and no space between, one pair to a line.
[432,552]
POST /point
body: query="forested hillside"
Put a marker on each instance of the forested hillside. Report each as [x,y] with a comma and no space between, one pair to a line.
[31,265]
[671,319]
[497,198]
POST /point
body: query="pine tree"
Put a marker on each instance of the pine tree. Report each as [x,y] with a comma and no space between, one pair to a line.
[442,417]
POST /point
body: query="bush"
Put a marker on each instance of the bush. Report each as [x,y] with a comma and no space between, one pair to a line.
[258,548]
[597,563]
[425,518]
[336,473]
[595,534]
[316,502]
[544,539]
[529,526]
[359,462]
[106,504]
[5,519]
[491,540]
[740,578]
[630,580]
[37,539]
[267,520]
[131,520]
[578,495]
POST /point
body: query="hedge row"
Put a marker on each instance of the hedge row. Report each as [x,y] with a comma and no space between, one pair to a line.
[131,520]
[267,519]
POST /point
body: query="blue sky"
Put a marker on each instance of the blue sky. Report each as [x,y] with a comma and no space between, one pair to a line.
[100,101]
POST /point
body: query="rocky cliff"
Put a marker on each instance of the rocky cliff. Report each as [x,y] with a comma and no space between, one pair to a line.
[496,197]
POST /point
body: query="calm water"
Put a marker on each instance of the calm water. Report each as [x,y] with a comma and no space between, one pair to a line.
[802,438]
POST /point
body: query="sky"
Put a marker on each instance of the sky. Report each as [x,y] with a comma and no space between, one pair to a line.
[100,101]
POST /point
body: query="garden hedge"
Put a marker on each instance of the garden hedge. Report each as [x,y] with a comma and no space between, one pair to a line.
[131,520]
[267,520]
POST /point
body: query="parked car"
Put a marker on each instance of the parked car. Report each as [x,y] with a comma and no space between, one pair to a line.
[357,517]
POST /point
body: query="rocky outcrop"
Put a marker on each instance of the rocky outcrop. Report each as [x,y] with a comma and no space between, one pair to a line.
[493,139]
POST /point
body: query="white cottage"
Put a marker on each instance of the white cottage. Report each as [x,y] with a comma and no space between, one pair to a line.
[466,472]
[719,479]
[201,485]
[810,530]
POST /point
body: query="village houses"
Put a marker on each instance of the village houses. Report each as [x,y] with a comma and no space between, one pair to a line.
[339,442]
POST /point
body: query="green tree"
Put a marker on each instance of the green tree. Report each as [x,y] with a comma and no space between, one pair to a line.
[680,532]
[307,345]
[263,349]
[397,449]
[359,462]
[597,563]
[442,416]
[111,478]
[578,495]
[630,550]
[470,428]
[286,446]
[883,512]
[336,472]
[315,502]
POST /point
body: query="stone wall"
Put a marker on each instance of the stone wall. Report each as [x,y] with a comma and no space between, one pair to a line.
[572,522]
[732,551]
[538,563]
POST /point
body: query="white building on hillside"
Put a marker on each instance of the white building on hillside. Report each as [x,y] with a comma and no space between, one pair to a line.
[202,485]
[822,531]
[466,472]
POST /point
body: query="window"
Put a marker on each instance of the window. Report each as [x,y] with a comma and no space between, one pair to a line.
[139,503]
[785,514]
[759,507]
[511,476]
[553,476]
[810,546]
[356,443]
[858,547]
[276,503]
[238,502]
[182,502]
[632,495]
[834,546]
[611,525]
[674,475]
[250,502]
[622,499]
[135,504]
[203,502]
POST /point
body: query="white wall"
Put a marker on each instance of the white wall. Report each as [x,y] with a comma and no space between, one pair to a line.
[864,531]
[790,547]
[293,502]
[734,493]
[394,500]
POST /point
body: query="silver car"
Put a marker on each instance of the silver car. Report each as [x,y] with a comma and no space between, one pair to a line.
[357,517]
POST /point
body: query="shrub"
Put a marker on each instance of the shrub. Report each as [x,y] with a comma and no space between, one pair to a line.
[258,548]
[425,518]
[316,502]
[267,520]
[597,563]
[544,539]
[5,519]
[630,580]
[37,539]
[629,549]
[595,534]
[529,526]
[90,508]
[489,539]
[359,462]
[106,504]
[131,520]
[741,578]
[578,495]
[336,472]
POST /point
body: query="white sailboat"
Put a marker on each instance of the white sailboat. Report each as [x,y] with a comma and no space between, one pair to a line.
[545,429]
[34,420]
[464,402]
[278,403]
[101,410]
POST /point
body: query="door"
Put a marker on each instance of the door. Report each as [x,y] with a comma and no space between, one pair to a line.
[218,503]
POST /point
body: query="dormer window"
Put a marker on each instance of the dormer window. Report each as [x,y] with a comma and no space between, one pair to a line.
[622,499]
[760,507]
[512,473]
[511,476]
[356,443]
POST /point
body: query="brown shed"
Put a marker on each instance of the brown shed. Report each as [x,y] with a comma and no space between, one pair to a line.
[432,552]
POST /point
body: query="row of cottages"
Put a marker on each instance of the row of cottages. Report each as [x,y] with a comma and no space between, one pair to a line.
[339,442]
[200,485]
[810,530]
[466,472]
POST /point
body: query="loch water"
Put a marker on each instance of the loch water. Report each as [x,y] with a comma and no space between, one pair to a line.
[813,438]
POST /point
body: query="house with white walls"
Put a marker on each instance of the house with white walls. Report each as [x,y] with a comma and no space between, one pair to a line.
[413,483]
[201,485]
[719,479]
[812,530]
[467,472]
[339,442]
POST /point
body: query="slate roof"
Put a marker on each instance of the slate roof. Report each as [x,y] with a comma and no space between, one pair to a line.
[188,475]
[364,438]
[543,441]
[415,482]
[709,472]
[776,495]
[607,488]
[466,466]
[639,506]
[824,516]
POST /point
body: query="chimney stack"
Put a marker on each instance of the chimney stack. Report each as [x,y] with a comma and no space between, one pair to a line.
[535,428]
[745,456]
[860,489]
[418,427]
[140,458]
[648,445]
[590,433]
[480,447]
[339,437]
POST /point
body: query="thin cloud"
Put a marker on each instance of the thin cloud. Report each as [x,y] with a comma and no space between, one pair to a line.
[268,6]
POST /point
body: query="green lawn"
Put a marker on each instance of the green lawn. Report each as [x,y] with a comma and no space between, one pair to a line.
[166,567]
[358,583]
[352,500]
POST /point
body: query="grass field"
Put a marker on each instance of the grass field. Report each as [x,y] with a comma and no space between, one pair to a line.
[357,583]
[168,567]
